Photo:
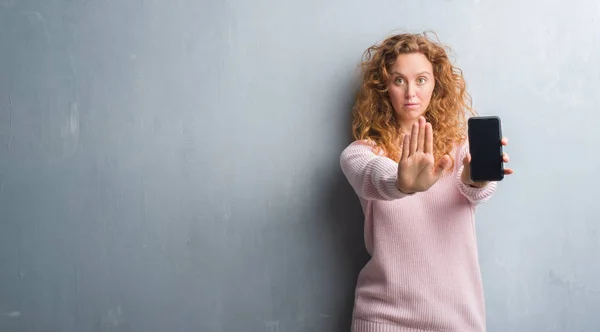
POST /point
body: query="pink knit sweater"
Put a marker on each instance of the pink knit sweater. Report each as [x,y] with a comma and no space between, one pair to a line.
[424,273]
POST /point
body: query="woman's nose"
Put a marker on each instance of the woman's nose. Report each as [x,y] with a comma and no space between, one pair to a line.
[410,91]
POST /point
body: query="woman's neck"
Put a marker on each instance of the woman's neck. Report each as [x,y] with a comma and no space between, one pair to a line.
[406,127]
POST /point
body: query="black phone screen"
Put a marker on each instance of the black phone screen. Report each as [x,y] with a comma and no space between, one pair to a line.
[485,147]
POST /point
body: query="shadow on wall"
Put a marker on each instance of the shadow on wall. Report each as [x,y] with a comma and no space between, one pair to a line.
[346,220]
[314,287]
[347,226]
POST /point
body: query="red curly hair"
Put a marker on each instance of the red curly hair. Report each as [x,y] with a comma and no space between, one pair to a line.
[373,115]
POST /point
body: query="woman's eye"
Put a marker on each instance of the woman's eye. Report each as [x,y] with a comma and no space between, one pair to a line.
[399,81]
[422,80]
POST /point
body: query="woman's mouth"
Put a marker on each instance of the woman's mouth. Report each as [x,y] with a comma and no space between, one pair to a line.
[411,105]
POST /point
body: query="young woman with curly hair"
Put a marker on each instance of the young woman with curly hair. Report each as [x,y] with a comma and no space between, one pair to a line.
[409,166]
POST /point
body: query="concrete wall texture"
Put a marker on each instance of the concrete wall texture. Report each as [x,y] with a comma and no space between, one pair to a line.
[173,165]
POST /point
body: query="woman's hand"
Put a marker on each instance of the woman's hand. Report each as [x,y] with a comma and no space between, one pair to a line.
[466,174]
[417,169]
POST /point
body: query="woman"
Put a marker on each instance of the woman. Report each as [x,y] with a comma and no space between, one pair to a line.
[409,166]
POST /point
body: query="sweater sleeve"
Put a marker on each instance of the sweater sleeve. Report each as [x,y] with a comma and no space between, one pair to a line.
[372,176]
[475,195]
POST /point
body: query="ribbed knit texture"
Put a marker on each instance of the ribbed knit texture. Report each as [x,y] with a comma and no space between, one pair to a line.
[424,273]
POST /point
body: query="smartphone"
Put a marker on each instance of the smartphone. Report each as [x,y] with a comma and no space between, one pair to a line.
[485,136]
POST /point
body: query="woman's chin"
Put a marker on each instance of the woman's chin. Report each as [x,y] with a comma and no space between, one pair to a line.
[411,114]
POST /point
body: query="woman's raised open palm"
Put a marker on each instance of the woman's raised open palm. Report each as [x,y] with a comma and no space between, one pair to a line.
[417,169]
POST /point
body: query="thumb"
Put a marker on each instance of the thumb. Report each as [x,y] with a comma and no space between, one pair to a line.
[442,164]
[467,159]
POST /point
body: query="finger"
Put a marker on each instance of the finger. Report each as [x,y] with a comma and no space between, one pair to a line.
[405,147]
[414,136]
[428,138]
[508,171]
[504,141]
[421,140]
[467,159]
[505,157]
[441,165]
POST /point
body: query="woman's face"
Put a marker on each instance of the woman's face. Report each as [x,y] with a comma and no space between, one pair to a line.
[410,87]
